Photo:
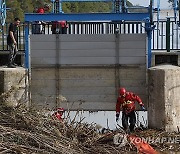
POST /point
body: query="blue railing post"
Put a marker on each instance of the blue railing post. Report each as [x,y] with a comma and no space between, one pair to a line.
[149,28]
[60,7]
[149,35]
[53,6]
[27,60]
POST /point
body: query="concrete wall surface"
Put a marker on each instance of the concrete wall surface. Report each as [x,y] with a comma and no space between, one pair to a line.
[13,86]
[86,69]
[164,98]
[86,50]
[85,88]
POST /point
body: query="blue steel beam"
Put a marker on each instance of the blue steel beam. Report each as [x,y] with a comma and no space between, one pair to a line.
[27,58]
[87,17]
[2,12]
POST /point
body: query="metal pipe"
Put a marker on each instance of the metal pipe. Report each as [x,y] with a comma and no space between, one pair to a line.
[168,35]
[27,62]
[117,39]
[149,30]
[57,70]
[179,9]
[149,34]
[60,6]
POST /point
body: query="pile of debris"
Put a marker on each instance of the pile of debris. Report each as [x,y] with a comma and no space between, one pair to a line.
[25,130]
[30,131]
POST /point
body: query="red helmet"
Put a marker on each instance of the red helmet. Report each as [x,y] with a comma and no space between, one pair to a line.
[60,109]
[122,91]
[40,10]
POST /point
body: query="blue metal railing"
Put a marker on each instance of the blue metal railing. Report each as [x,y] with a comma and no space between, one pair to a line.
[158,35]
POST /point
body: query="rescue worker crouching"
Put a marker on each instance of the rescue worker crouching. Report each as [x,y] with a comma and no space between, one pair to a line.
[126,101]
[57,115]
[58,122]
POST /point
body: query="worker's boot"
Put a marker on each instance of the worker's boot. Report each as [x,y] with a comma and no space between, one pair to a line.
[10,65]
[131,128]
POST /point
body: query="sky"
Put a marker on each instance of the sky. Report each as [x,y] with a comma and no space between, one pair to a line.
[163,3]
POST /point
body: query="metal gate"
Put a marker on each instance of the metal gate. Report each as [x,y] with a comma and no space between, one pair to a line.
[166,36]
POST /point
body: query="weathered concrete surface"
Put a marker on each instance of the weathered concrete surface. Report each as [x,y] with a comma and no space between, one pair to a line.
[85,88]
[13,83]
[87,76]
[164,97]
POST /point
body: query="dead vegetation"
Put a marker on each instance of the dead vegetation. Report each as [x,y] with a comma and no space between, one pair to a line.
[30,131]
[26,130]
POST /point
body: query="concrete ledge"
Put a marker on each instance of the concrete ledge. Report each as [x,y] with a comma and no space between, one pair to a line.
[164,97]
[13,86]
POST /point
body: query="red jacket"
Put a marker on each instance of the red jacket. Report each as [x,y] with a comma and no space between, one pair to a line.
[58,116]
[127,103]
[59,23]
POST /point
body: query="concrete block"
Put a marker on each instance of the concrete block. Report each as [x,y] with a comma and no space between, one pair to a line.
[164,98]
[13,86]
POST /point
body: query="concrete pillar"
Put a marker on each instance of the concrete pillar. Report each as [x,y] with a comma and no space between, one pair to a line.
[13,86]
[164,98]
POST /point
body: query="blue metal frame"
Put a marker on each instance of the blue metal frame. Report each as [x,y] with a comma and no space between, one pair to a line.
[176,9]
[158,10]
[87,17]
[149,28]
[91,17]
[61,1]
[122,8]
[2,12]
[27,58]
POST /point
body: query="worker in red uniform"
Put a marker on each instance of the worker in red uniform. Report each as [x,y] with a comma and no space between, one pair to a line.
[58,114]
[126,102]
[43,9]
[38,27]
[59,27]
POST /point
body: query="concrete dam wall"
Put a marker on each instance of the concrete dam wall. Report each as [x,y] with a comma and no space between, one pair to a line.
[86,69]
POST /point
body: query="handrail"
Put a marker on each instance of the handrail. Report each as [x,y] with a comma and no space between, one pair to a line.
[158,36]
